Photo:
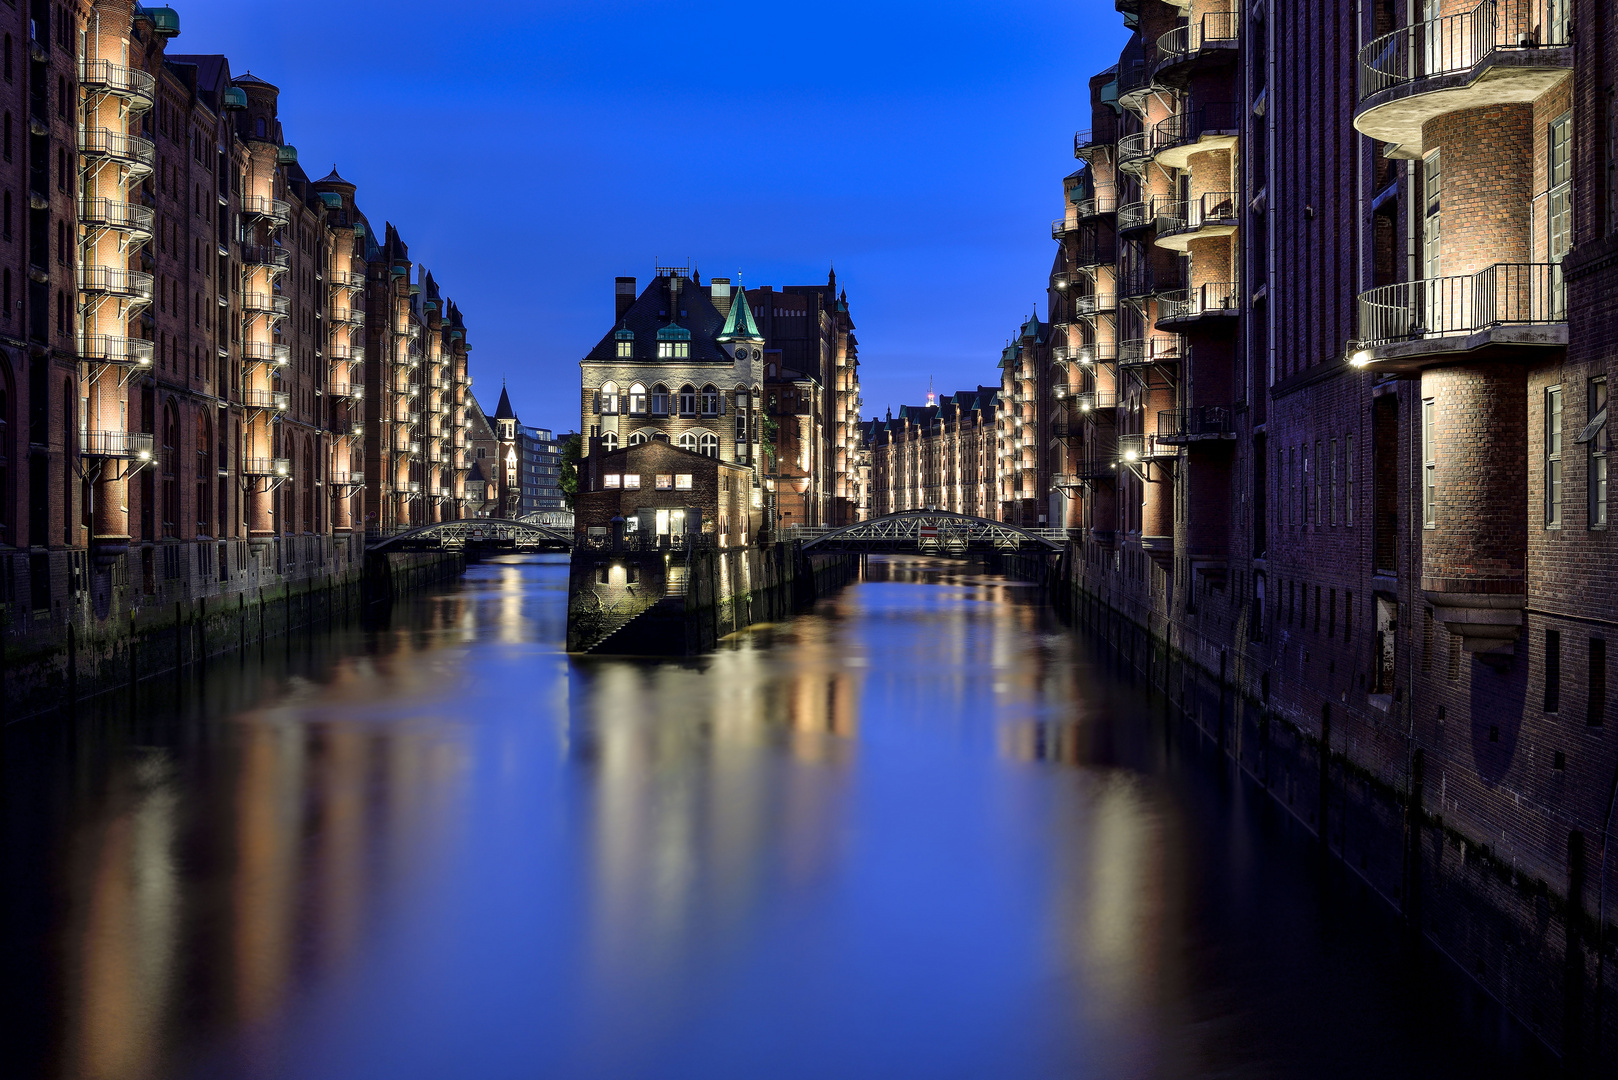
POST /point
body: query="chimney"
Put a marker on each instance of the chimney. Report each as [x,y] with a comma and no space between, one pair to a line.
[624,294]
[719,293]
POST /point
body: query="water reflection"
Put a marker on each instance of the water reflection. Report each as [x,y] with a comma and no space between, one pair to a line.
[920,832]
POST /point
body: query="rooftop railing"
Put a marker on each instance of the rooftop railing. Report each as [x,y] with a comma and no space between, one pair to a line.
[1456,43]
[1502,294]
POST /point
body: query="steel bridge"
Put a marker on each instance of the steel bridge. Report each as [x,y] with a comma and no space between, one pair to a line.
[927,532]
[520,535]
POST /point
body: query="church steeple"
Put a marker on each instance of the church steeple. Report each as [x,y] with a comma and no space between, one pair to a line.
[739,324]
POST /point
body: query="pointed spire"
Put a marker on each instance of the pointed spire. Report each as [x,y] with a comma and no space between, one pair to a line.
[504,411]
[739,323]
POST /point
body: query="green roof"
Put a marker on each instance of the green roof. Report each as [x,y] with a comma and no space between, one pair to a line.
[739,323]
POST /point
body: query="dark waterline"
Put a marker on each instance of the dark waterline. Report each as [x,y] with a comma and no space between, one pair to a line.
[922,831]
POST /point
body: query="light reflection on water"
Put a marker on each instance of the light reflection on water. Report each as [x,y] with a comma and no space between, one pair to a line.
[922,831]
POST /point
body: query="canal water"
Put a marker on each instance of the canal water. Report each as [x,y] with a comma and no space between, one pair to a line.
[922,831]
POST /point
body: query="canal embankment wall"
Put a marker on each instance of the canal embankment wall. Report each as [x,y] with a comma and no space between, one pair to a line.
[666,602]
[95,627]
[1354,775]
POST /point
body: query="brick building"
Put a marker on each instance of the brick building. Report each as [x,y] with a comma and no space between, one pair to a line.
[1334,309]
[191,396]
[938,456]
[762,378]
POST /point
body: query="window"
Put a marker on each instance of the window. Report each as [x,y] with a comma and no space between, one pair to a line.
[682,482]
[1348,482]
[609,399]
[1553,457]
[708,445]
[1595,435]
[1553,670]
[637,400]
[1432,186]
[609,441]
[626,349]
[1429,464]
[1314,505]
[1559,177]
[688,401]
[612,480]
[1332,499]
[673,350]
[637,438]
[631,481]
[710,401]
[688,441]
[665,481]
[660,400]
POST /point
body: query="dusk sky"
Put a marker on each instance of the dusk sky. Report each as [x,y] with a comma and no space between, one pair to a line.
[531,152]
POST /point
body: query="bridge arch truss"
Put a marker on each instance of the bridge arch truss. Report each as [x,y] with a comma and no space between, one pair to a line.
[933,532]
[494,532]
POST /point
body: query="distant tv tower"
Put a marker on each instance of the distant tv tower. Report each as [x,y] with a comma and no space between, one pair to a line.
[932,398]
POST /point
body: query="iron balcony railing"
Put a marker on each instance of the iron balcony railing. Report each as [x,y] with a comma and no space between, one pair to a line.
[264,352]
[1103,202]
[346,389]
[1186,215]
[1133,75]
[1092,404]
[267,466]
[1134,150]
[116,281]
[111,349]
[275,400]
[1456,43]
[1089,145]
[351,317]
[132,218]
[130,83]
[352,478]
[1162,349]
[1132,448]
[1207,298]
[1091,250]
[276,258]
[1061,227]
[267,304]
[1502,294]
[346,279]
[262,206]
[1212,28]
[1092,303]
[132,151]
[1200,422]
[1133,215]
[133,445]
[1188,127]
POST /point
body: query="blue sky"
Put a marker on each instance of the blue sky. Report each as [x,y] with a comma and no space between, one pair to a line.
[530,152]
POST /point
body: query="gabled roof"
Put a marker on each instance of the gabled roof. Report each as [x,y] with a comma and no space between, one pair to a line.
[650,314]
[739,323]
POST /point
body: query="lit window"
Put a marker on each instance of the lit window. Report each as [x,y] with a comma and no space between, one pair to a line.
[637,438]
[688,441]
[665,482]
[610,441]
[612,480]
[660,400]
[637,400]
[709,445]
[710,401]
[626,349]
[682,482]
[632,481]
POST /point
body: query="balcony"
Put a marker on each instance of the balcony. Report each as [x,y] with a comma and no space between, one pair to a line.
[264,352]
[131,84]
[1212,38]
[276,258]
[1092,146]
[134,153]
[1138,448]
[352,478]
[109,349]
[1135,151]
[277,211]
[269,304]
[1215,126]
[1505,307]
[1180,427]
[132,285]
[1210,300]
[352,317]
[1500,52]
[1145,352]
[275,401]
[1094,405]
[1100,205]
[1062,228]
[116,445]
[1093,303]
[346,279]
[1181,221]
[1133,215]
[277,468]
[131,218]
[343,388]
[1091,251]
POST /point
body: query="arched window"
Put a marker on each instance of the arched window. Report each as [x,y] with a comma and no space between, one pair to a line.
[709,445]
[688,400]
[660,436]
[710,400]
[609,441]
[637,400]
[660,400]
[258,127]
[609,399]
[688,441]
[204,475]
[171,469]
[637,438]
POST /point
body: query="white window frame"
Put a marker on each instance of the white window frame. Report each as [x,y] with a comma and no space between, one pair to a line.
[1429,463]
[1553,457]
